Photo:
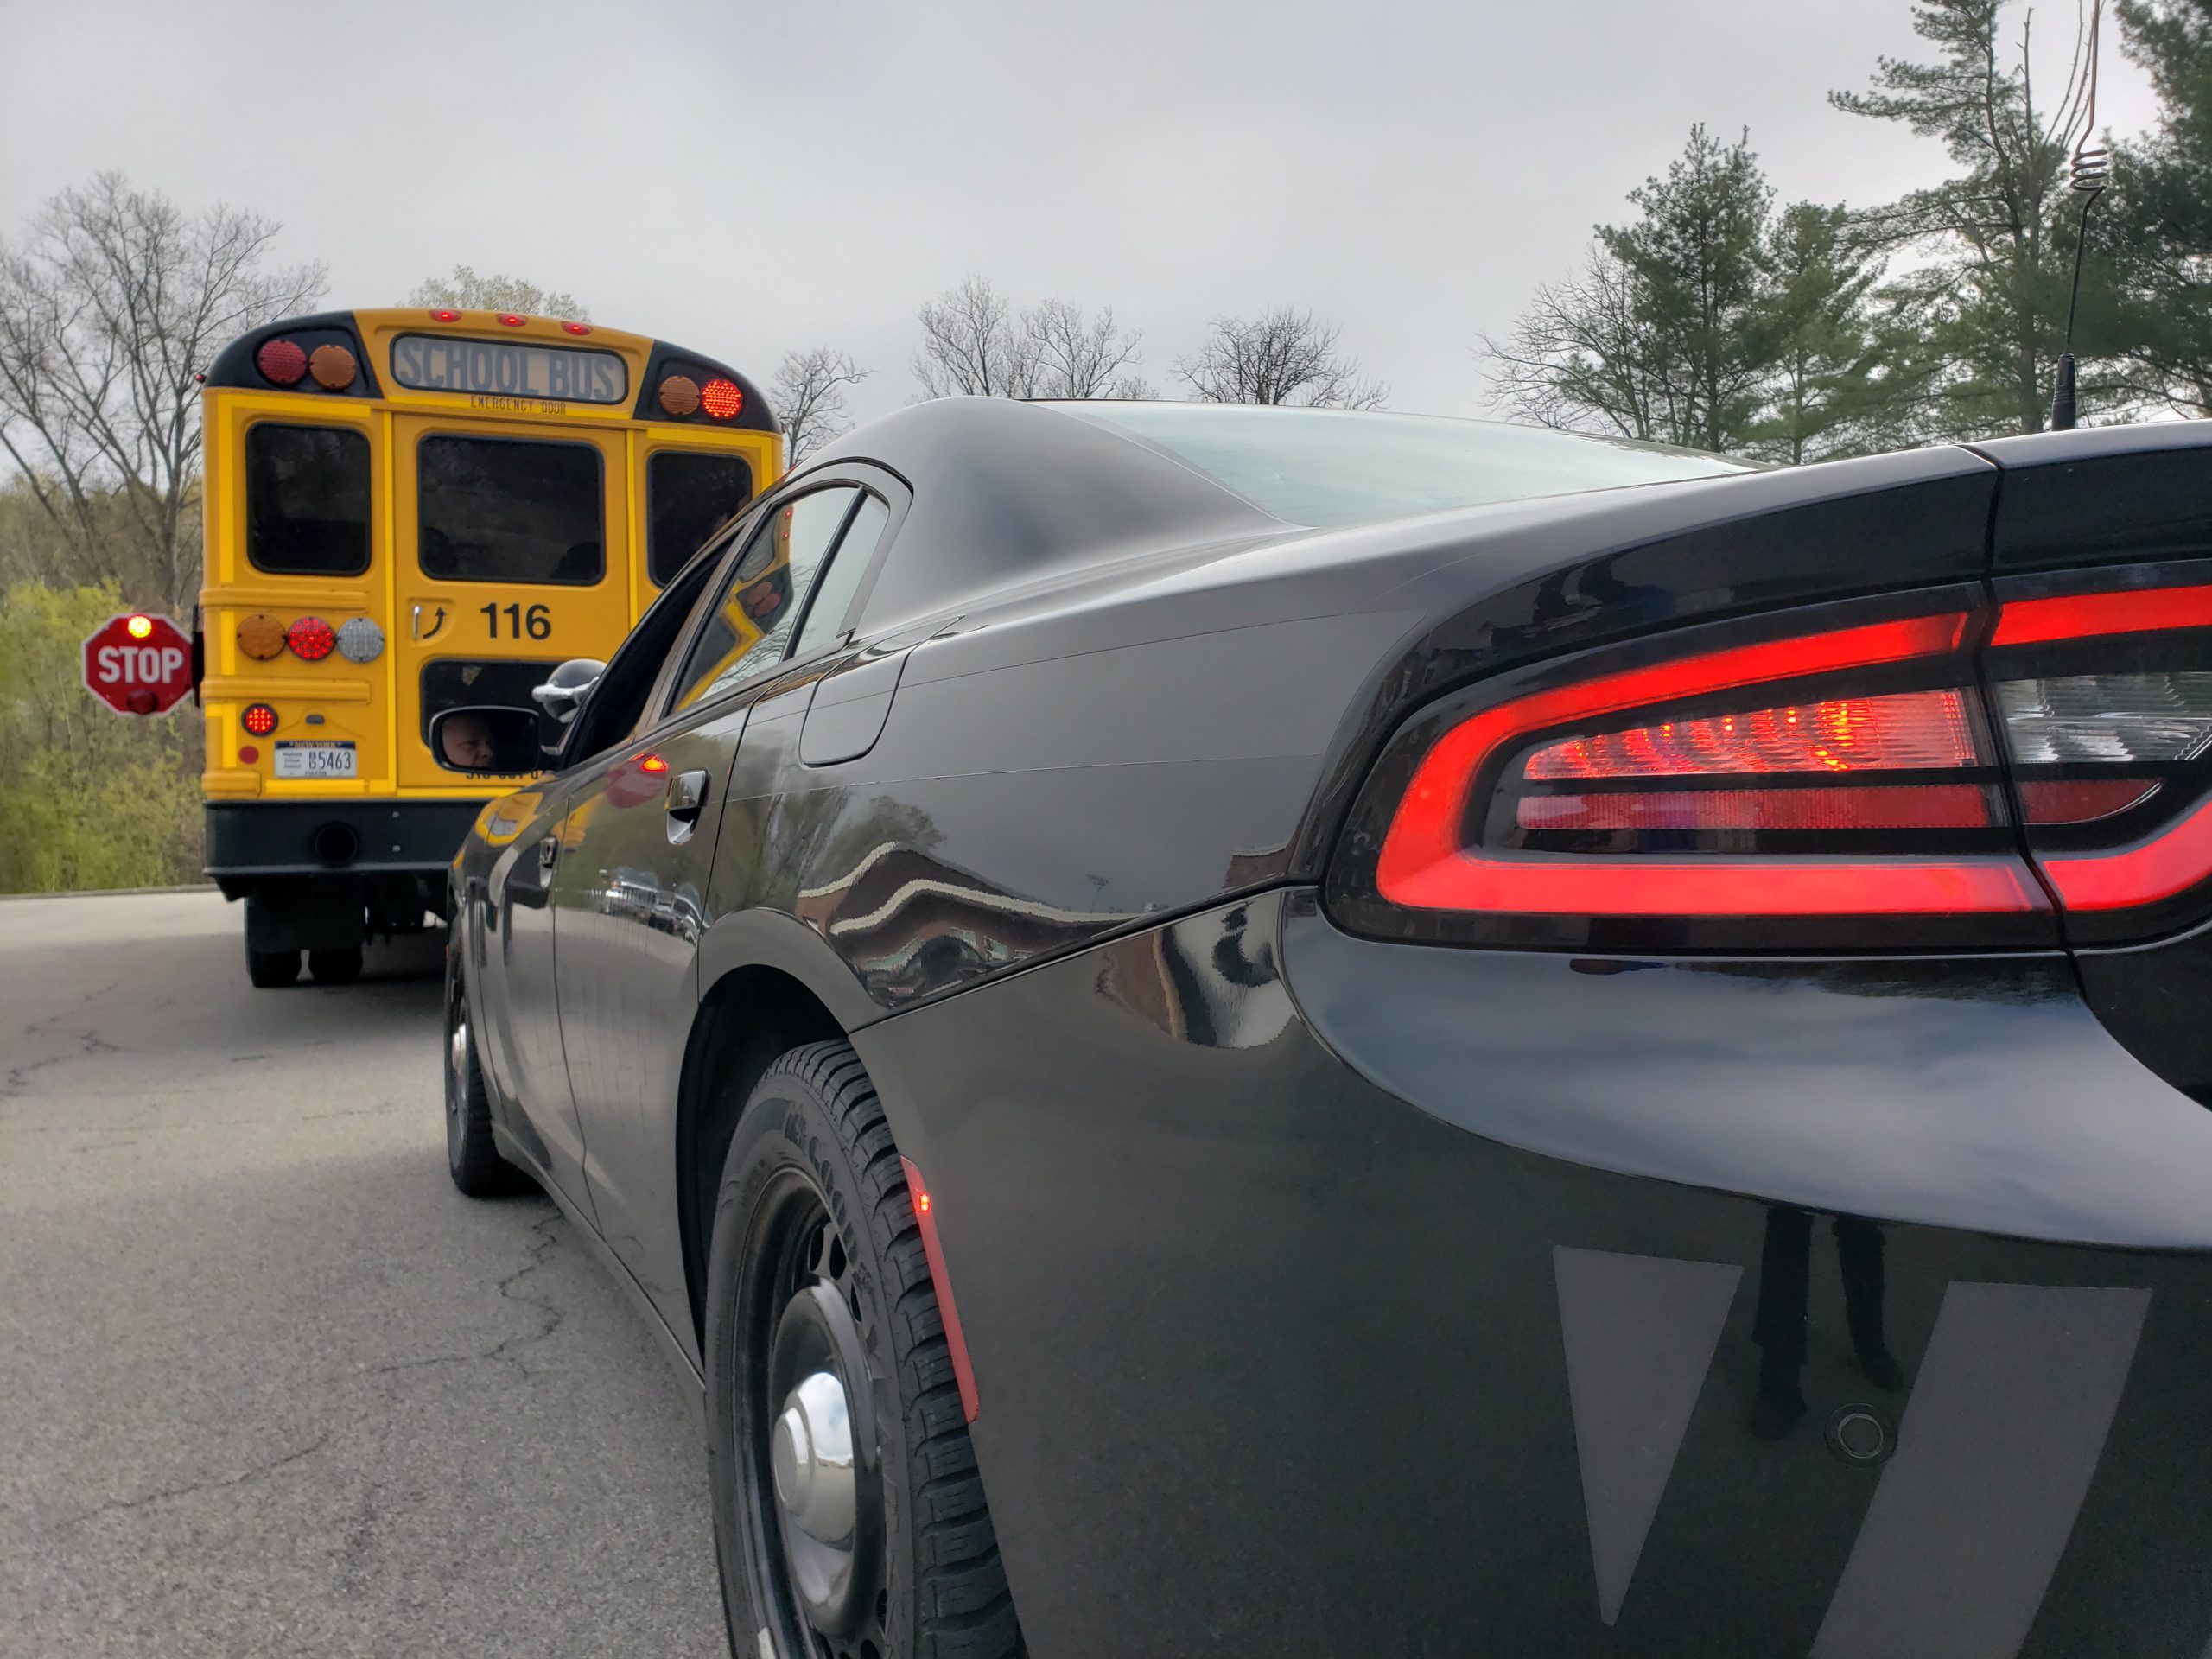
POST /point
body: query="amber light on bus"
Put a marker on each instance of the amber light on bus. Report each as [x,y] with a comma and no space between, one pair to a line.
[679,395]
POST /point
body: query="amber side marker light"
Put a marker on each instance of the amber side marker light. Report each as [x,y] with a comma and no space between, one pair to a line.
[963,1373]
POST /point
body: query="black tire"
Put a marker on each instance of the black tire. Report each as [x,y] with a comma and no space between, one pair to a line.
[922,1561]
[335,967]
[472,1156]
[272,970]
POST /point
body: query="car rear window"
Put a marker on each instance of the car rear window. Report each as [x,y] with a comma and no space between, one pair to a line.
[688,495]
[307,500]
[510,510]
[1331,467]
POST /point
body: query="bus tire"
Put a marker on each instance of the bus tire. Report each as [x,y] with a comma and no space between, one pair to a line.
[335,967]
[270,970]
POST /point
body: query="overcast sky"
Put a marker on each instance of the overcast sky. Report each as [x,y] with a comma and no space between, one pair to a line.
[746,179]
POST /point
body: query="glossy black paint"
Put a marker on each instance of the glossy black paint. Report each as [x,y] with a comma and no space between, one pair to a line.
[1254,1226]
[235,364]
[1268,1239]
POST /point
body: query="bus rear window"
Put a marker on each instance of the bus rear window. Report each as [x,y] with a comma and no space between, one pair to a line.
[510,510]
[307,500]
[687,494]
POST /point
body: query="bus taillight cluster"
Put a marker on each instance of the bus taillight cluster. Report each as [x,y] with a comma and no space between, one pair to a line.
[719,399]
[283,363]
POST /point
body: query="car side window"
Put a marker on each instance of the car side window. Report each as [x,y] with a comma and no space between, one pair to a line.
[746,633]
[832,592]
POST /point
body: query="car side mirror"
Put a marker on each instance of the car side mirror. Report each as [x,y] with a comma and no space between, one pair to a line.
[564,692]
[490,741]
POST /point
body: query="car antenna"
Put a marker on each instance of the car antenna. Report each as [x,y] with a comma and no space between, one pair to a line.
[2088,172]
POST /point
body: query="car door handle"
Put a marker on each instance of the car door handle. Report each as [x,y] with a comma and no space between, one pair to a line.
[687,793]
[547,850]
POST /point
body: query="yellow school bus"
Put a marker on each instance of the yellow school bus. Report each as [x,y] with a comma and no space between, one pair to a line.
[409,511]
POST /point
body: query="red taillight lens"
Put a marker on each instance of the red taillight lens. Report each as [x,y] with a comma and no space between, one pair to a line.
[1687,789]
[282,363]
[311,638]
[259,719]
[721,398]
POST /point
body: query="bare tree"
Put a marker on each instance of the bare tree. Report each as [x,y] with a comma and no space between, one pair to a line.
[1077,356]
[112,301]
[973,347]
[1282,356]
[463,288]
[809,397]
[1576,358]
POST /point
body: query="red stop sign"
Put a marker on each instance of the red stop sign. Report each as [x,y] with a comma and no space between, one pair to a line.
[139,665]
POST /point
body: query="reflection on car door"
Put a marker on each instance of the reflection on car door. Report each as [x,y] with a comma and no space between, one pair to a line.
[523,1052]
[629,899]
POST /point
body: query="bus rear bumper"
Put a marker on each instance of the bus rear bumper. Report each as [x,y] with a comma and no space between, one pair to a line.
[251,839]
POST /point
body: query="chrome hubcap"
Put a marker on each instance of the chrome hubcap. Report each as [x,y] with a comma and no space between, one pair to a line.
[811,1453]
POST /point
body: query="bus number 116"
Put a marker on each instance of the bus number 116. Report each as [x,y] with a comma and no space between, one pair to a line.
[535,621]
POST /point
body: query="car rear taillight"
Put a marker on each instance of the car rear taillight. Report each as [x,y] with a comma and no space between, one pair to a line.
[1840,786]
[2104,701]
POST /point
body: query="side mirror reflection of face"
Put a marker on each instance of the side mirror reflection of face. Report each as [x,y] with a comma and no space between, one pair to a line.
[488,741]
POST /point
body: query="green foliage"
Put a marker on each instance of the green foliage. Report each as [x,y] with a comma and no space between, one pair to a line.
[461,287]
[1983,303]
[1711,322]
[2158,234]
[88,799]
[1695,262]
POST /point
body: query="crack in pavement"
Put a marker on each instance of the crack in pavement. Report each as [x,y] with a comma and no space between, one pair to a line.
[506,1350]
[195,1486]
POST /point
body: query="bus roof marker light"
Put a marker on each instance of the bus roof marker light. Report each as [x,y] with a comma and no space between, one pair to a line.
[679,395]
[721,398]
[577,327]
[282,363]
[509,319]
[444,314]
[333,367]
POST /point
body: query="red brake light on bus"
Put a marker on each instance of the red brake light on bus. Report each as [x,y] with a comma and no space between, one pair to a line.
[509,320]
[259,719]
[311,638]
[577,327]
[721,398]
[444,314]
[282,363]
[334,367]
[679,395]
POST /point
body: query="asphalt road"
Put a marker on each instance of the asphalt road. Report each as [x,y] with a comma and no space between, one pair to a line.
[268,1384]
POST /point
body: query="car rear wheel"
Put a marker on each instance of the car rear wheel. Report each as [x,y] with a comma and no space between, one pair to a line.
[270,970]
[849,1518]
[472,1157]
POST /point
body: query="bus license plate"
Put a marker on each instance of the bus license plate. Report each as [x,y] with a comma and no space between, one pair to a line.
[298,759]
